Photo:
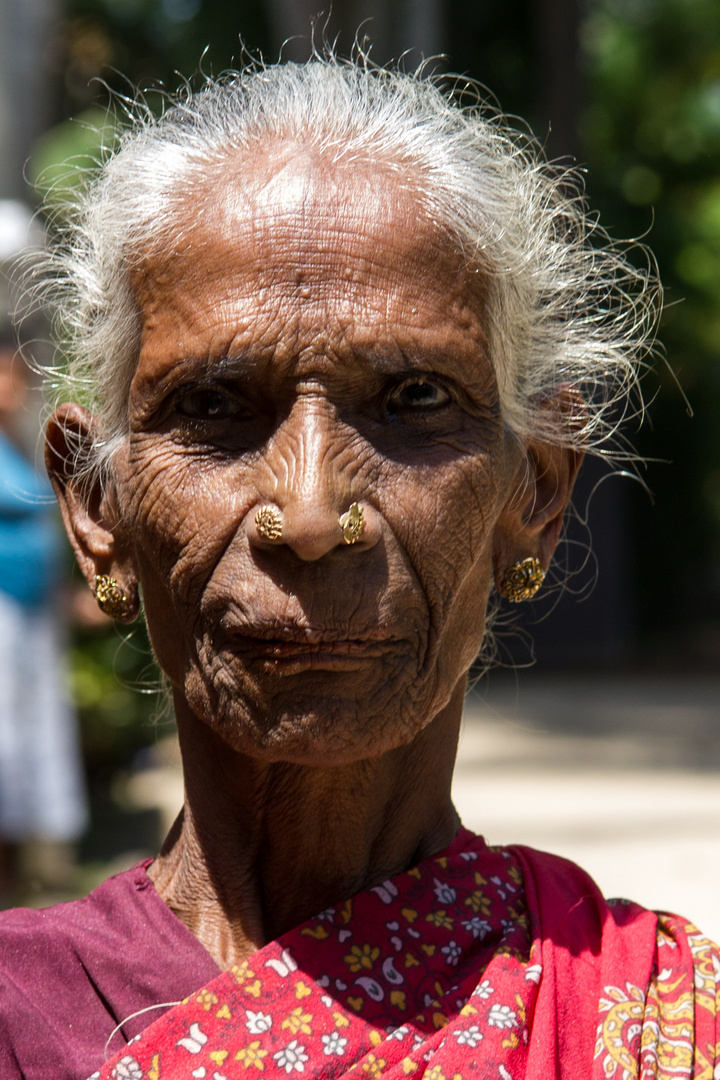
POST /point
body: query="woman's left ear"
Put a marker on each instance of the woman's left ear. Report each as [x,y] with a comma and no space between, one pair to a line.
[90,514]
[530,523]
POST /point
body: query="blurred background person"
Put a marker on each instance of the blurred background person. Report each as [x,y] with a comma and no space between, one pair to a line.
[43,806]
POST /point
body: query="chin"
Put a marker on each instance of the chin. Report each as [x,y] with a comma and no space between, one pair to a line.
[321,722]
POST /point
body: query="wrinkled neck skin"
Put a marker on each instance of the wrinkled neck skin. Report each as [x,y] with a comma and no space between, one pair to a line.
[261,847]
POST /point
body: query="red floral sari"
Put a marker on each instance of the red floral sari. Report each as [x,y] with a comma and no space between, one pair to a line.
[479,963]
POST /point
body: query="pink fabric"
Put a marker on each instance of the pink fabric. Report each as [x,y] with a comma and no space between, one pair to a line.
[479,963]
[70,973]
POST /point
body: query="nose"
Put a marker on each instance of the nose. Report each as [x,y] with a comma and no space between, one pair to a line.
[313,506]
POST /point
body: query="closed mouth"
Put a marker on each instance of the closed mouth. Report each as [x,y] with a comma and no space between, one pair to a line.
[279,643]
[279,649]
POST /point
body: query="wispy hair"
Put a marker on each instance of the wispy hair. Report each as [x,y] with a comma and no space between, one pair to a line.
[563,305]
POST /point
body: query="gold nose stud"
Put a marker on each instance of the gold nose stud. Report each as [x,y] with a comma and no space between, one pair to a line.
[352,524]
[268,522]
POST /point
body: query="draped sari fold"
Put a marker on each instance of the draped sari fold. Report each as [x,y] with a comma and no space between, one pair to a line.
[478,963]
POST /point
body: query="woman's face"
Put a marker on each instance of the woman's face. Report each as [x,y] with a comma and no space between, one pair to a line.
[311,341]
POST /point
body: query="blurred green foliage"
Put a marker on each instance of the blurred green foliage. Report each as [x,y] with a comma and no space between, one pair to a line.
[124,44]
[651,134]
[120,696]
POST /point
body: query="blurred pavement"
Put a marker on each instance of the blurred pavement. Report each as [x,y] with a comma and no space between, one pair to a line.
[619,774]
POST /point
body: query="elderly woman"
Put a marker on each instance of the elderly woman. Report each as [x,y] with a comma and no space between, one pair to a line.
[342,345]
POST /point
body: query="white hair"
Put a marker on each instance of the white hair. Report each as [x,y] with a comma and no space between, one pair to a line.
[563,305]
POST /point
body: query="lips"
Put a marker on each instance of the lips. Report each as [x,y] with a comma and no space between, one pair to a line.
[278,650]
[299,643]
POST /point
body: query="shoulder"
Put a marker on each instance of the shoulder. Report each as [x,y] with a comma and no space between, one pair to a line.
[655,976]
[687,978]
[674,1018]
[44,937]
[74,970]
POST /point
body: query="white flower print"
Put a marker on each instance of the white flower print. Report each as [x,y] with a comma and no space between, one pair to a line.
[452,951]
[478,927]
[502,1016]
[444,893]
[399,1033]
[292,1058]
[284,966]
[257,1022]
[194,1041]
[334,1043]
[471,1036]
[128,1068]
[484,990]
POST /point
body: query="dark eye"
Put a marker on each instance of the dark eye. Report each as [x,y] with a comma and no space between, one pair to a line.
[417,395]
[210,404]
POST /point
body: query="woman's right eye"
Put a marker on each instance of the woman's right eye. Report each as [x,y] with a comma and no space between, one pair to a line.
[209,404]
[418,395]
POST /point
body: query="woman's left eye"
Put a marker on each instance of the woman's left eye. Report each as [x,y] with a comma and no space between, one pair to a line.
[207,404]
[417,395]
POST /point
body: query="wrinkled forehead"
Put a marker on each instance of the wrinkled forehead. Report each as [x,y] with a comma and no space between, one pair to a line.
[326,215]
[296,258]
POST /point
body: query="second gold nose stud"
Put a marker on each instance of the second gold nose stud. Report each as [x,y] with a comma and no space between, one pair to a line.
[269,523]
[352,524]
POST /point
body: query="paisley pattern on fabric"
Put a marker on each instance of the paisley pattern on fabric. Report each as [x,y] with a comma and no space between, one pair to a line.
[443,973]
[658,1028]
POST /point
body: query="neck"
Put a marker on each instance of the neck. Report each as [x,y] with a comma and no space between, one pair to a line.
[261,847]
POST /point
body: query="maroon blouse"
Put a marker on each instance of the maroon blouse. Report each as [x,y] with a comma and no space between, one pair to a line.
[69,974]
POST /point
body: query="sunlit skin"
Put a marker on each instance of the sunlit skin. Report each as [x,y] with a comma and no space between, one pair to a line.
[311,339]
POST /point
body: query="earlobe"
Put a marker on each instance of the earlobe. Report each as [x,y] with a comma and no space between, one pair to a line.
[530,524]
[88,510]
[552,472]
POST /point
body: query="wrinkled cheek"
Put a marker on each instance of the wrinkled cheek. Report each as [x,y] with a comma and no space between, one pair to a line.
[452,553]
[174,557]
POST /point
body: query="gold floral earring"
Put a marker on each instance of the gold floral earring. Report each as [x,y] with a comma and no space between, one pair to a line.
[522,580]
[111,597]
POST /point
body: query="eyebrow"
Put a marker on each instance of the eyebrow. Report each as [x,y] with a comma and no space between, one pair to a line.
[205,368]
[390,360]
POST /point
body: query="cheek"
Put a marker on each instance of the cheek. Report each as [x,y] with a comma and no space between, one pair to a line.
[446,518]
[186,517]
[181,517]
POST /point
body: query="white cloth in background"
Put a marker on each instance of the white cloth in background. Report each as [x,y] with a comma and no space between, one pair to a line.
[42,790]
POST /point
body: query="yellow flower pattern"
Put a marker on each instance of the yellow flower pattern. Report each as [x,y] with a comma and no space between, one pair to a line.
[252,1055]
[362,956]
[298,1021]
